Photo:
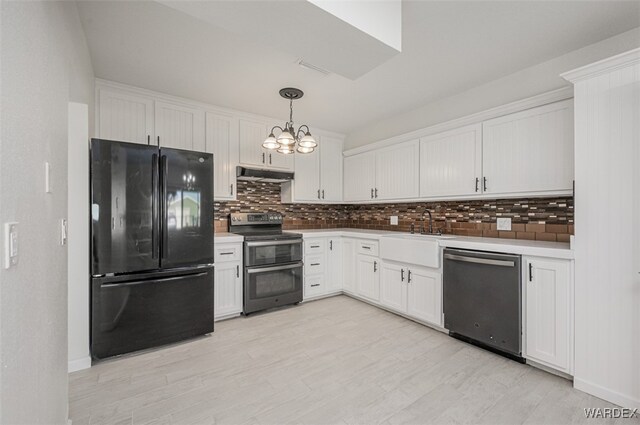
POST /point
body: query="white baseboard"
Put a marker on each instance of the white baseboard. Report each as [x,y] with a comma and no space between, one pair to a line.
[599,391]
[79,364]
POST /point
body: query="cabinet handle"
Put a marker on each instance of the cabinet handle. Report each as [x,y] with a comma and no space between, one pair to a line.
[371,193]
[148,139]
[314,246]
[263,156]
[315,264]
[366,247]
[237,271]
[477,183]
[158,140]
[409,277]
[315,284]
[227,253]
[322,193]
[401,275]
[269,159]
[375,266]
[530,272]
[231,185]
[331,245]
[484,179]
[376,192]
[318,193]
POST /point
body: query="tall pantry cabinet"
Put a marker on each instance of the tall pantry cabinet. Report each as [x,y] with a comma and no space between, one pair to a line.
[607,257]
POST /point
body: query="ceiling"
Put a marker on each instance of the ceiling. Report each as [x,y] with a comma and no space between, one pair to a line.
[447,47]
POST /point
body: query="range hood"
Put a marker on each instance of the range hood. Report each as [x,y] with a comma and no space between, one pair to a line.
[260,175]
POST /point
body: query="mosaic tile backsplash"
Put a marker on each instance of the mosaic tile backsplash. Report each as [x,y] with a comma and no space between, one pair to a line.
[547,219]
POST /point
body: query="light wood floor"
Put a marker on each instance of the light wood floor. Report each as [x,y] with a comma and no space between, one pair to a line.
[333,361]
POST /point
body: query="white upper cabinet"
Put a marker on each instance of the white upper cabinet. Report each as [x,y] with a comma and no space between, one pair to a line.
[359,177]
[529,151]
[548,307]
[330,168]
[221,139]
[397,172]
[307,177]
[451,163]
[252,154]
[179,127]
[252,134]
[125,117]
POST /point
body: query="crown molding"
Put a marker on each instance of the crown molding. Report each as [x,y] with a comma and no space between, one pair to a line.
[622,60]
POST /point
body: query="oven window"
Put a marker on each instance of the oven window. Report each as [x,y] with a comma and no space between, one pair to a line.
[273,254]
[269,283]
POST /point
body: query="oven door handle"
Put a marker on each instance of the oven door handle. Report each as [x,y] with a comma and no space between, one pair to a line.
[270,243]
[274,268]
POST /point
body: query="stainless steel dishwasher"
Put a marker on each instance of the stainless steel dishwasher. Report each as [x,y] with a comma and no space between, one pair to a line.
[482,300]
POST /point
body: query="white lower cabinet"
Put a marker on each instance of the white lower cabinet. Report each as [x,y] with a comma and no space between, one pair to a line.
[412,290]
[368,277]
[228,280]
[349,266]
[548,310]
[322,267]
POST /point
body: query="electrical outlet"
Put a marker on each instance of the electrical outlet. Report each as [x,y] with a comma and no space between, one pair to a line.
[504,223]
[394,220]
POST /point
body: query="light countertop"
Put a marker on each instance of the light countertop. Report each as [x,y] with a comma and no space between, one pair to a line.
[559,250]
[224,237]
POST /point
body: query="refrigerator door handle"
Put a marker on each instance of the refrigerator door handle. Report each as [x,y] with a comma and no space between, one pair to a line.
[164,206]
[154,281]
[154,206]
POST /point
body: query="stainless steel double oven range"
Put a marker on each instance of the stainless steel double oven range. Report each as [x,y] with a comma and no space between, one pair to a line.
[272,261]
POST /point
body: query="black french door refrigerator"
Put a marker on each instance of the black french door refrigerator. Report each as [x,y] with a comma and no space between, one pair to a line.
[151,246]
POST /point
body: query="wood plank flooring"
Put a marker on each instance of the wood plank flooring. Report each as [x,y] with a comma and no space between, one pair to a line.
[332,361]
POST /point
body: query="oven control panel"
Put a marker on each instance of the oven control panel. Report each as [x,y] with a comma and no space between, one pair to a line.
[238,219]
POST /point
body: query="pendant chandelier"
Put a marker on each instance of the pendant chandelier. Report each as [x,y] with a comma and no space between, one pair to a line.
[289,141]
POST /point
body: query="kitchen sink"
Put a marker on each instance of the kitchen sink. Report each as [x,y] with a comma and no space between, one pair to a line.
[422,250]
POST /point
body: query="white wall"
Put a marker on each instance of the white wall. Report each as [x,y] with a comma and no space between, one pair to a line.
[529,82]
[43,66]
[78,246]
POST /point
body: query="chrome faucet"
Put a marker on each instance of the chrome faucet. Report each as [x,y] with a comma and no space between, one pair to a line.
[430,231]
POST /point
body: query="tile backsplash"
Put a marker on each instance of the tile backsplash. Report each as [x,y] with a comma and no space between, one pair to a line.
[548,219]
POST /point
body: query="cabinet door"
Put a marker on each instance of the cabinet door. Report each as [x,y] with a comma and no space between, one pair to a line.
[221,140]
[530,151]
[279,161]
[398,171]
[359,177]
[393,286]
[451,163]
[425,295]
[368,277]
[548,312]
[228,289]
[307,176]
[334,264]
[349,265]
[125,117]
[331,169]
[252,135]
[179,127]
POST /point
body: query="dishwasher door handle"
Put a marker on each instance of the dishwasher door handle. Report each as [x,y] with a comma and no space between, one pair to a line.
[487,261]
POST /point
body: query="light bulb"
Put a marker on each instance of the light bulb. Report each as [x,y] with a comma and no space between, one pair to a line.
[270,142]
[285,138]
[304,149]
[308,141]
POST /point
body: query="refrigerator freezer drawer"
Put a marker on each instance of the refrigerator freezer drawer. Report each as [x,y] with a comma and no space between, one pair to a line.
[145,312]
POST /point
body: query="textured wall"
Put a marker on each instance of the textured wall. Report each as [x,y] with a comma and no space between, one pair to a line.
[549,219]
[41,70]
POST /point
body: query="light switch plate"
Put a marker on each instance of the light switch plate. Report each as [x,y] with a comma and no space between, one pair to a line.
[394,220]
[10,244]
[504,223]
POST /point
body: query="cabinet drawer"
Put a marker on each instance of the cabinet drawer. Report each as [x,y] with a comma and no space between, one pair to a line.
[313,286]
[314,246]
[368,248]
[228,252]
[314,264]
